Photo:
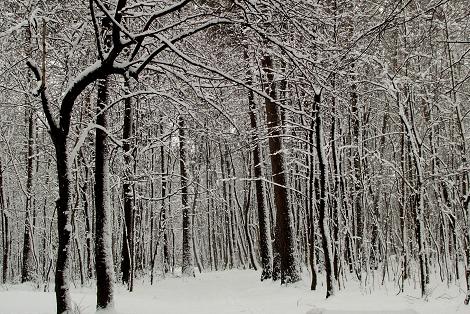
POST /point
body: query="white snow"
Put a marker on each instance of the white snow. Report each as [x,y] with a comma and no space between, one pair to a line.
[68,227]
[239,291]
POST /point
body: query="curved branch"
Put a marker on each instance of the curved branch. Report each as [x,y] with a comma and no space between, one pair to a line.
[163,12]
[41,91]
[169,43]
[97,33]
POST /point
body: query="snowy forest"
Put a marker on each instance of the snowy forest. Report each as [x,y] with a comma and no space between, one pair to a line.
[307,150]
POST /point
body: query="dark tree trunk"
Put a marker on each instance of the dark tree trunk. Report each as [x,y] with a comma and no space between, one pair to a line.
[415,146]
[64,224]
[265,241]
[311,210]
[187,264]
[103,235]
[246,226]
[59,135]
[210,232]
[88,223]
[323,198]
[357,179]
[5,238]
[193,223]
[128,226]
[163,223]
[338,196]
[285,234]
[163,216]
[228,243]
[27,267]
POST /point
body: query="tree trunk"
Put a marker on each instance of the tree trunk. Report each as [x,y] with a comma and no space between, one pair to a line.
[311,219]
[265,241]
[416,152]
[5,238]
[128,226]
[166,254]
[88,223]
[103,235]
[64,225]
[337,195]
[210,228]
[27,267]
[193,223]
[285,234]
[323,215]
[187,264]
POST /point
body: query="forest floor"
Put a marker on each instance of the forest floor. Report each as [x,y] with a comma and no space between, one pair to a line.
[240,291]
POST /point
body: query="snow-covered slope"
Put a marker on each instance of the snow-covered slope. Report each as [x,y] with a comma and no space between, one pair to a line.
[238,291]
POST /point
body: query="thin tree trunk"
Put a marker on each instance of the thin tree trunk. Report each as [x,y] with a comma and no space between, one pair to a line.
[209,204]
[311,219]
[357,179]
[88,222]
[5,231]
[128,226]
[323,215]
[187,264]
[416,152]
[26,270]
[166,254]
[265,241]
[337,196]
[193,223]
[27,262]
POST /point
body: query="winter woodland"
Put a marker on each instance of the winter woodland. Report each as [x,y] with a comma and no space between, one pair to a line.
[316,151]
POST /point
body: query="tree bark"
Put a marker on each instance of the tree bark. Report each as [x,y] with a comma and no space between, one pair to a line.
[311,219]
[285,234]
[88,222]
[128,226]
[164,223]
[187,264]
[323,215]
[27,267]
[5,231]
[265,241]
[416,152]
[64,225]
[103,235]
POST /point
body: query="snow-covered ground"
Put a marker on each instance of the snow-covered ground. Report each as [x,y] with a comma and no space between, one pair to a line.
[239,291]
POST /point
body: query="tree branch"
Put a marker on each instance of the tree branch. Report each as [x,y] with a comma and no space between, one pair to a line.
[163,12]
[169,43]
[41,91]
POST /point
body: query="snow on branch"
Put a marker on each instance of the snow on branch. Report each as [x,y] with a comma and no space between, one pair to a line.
[113,20]
[83,136]
[167,43]
[40,90]
[156,15]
